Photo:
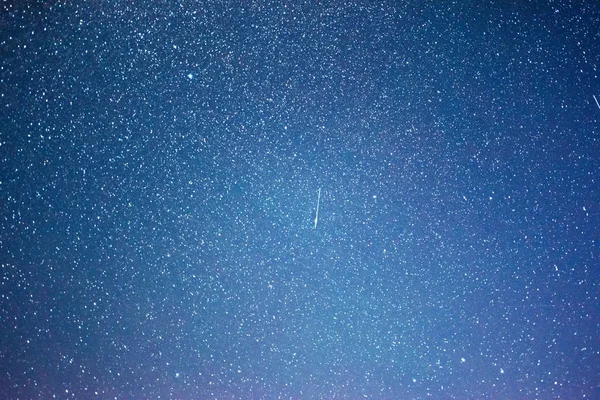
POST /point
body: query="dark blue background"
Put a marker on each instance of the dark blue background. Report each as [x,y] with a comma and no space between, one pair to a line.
[159,170]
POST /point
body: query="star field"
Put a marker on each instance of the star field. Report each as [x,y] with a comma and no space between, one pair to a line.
[160,168]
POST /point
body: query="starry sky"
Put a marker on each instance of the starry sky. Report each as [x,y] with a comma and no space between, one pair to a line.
[161,165]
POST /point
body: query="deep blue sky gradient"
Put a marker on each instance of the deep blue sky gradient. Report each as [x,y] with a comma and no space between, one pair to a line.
[159,171]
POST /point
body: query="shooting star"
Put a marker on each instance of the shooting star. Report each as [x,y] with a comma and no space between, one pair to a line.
[317,215]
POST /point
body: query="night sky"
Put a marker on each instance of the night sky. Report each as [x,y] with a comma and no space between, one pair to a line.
[160,169]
